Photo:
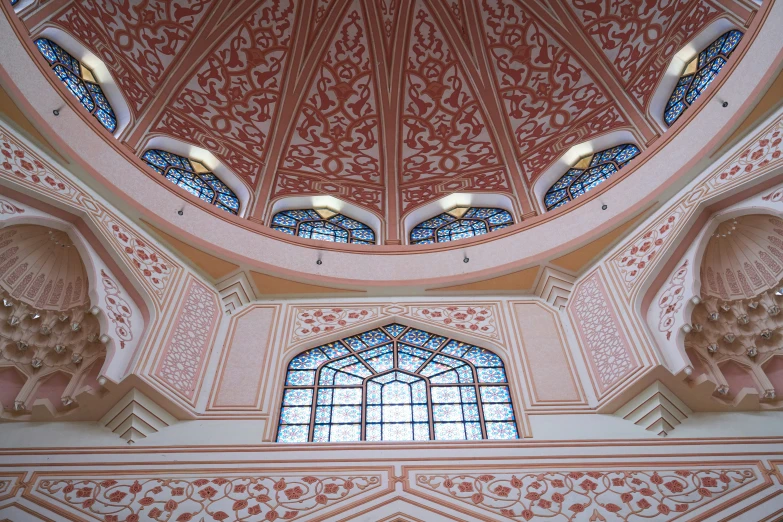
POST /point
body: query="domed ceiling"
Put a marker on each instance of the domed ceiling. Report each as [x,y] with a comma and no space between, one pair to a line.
[743,258]
[40,266]
[388,104]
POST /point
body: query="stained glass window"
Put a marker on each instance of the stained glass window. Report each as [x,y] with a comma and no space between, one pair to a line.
[193,177]
[699,74]
[396,383]
[323,224]
[459,223]
[80,81]
[587,173]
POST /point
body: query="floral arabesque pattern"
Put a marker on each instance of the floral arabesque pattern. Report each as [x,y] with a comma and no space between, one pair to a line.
[117,309]
[444,132]
[494,180]
[245,498]
[776,196]
[186,348]
[605,345]
[476,320]
[542,84]
[235,91]
[312,322]
[6,207]
[603,495]
[337,132]
[634,258]
[137,41]
[20,165]
[671,299]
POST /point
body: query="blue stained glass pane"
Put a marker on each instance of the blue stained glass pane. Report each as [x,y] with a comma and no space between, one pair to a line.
[576,182]
[491,375]
[502,430]
[300,378]
[308,224]
[288,433]
[474,222]
[482,357]
[498,412]
[309,360]
[495,394]
[205,185]
[375,337]
[417,337]
[295,415]
[413,384]
[690,86]
[302,397]
[449,431]
[395,329]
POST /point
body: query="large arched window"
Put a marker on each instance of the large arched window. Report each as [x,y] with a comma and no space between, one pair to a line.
[80,81]
[396,383]
[193,177]
[699,74]
[587,173]
[459,223]
[323,224]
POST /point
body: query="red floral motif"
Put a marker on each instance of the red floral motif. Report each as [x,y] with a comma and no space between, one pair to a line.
[671,299]
[312,322]
[610,495]
[137,42]
[235,90]
[189,341]
[337,131]
[118,310]
[129,500]
[478,320]
[601,333]
[495,181]
[6,207]
[543,85]
[632,258]
[389,14]
[444,130]
[776,196]
[299,184]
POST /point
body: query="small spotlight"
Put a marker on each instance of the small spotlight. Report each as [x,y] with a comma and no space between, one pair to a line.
[319,262]
[181,212]
[56,112]
[724,104]
[466,259]
[604,206]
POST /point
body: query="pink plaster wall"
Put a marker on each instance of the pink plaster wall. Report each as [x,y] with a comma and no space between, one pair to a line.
[11,383]
[738,377]
[774,372]
[550,373]
[246,363]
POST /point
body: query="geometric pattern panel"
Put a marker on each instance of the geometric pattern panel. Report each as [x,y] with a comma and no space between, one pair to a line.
[601,334]
[551,494]
[185,351]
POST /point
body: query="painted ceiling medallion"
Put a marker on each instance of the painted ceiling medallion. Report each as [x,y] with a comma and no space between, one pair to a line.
[743,258]
[41,267]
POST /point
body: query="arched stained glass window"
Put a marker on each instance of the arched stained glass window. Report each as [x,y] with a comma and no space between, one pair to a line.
[80,81]
[459,223]
[193,177]
[699,74]
[396,383]
[587,173]
[323,224]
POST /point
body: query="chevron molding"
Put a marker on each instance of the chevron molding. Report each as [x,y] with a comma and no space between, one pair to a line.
[656,409]
[235,292]
[136,417]
[554,287]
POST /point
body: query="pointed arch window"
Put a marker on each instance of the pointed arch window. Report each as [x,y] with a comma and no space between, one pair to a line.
[396,383]
[323,224]
[699,74]
[80,81]
[460,223]
[193,177]
[588,173]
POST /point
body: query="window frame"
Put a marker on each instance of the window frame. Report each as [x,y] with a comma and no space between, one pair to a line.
[325,215]
[393,343]
[452,219]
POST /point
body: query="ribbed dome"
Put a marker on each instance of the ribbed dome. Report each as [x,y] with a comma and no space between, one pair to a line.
[41,267]
[743,258]
[385,104]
